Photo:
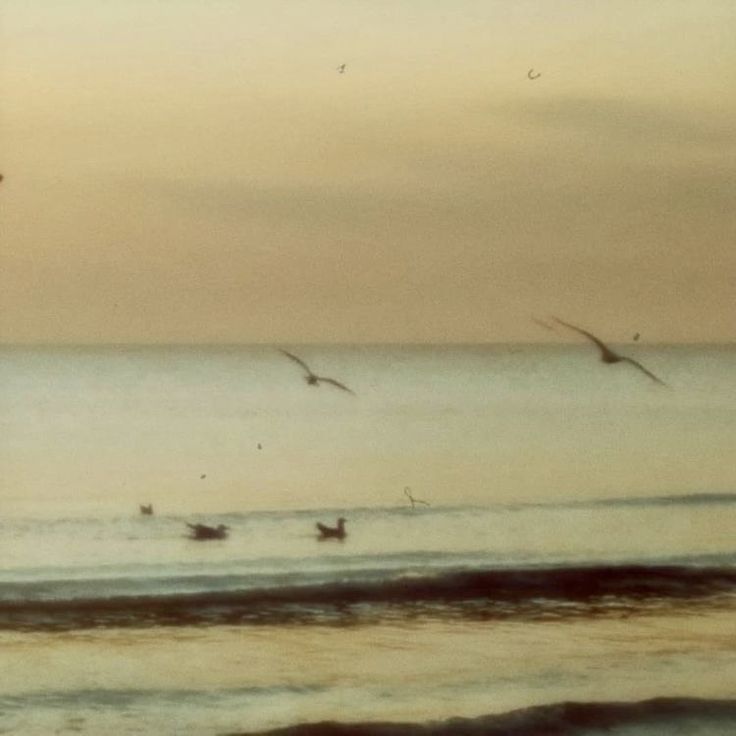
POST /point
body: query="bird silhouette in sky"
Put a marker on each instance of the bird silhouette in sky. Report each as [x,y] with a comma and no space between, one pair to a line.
[414,501]
[532,75]
[341,69]
[608,355]
[312,378]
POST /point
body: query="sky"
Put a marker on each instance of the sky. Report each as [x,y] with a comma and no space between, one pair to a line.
[189,172]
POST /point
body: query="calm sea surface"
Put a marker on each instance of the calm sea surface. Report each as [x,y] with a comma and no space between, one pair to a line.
[578,546]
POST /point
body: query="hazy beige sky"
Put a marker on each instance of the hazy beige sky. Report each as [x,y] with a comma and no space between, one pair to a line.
[189,171]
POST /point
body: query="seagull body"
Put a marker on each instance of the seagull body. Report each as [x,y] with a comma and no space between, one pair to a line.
[332,532]
[608,355]
[203,531]
[312,378]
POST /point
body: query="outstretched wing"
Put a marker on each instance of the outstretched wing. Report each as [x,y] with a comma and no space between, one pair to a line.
[297,360]
[638,365]
[542,323]
[336,383]
[601,345]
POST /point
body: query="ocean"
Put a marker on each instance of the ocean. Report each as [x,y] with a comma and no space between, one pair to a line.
[574,571]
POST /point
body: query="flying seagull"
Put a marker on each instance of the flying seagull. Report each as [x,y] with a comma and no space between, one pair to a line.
[608,355]
[341,69]
[414,501]
[532,75]
[312,378]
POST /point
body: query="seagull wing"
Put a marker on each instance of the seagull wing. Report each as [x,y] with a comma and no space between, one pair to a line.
[297,360]
[336,383]
[601,345]
[542,323]
[638,365]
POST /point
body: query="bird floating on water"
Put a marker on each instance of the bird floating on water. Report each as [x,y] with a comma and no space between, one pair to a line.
[414,501]
[146,510]
[332,532]
[608,355]
[312,378]
[201,532]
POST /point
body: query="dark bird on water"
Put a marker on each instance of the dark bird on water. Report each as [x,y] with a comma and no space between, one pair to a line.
[312,378]
[203,531]
[414,501]
[146,510]
[608,355]
[532,75]
[332,532]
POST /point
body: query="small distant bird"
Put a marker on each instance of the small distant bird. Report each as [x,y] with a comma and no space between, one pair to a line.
[312,378]
[532,75]
[146,510]
[341,69]
[260,446]
[636,337]
[608,355]
[203,531]
[332,532]
[414,501]
[203,476]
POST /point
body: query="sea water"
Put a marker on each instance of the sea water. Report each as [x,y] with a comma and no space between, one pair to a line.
[577,546]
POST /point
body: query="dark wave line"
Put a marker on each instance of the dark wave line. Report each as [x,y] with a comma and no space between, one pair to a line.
[686,499]
[560,719]
[500,592]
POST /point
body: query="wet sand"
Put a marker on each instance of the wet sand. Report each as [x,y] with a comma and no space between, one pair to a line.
[215,680]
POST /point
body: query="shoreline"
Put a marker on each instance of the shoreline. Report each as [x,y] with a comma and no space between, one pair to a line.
[559,719]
